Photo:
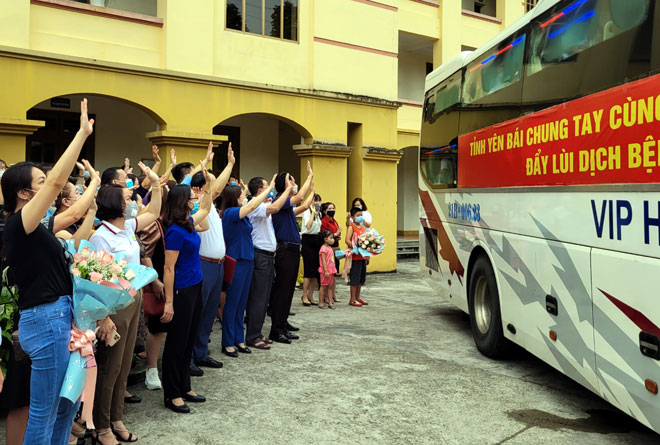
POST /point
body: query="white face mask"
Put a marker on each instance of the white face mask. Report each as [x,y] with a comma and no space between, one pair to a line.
[131,210]
[245,201]
[295,189]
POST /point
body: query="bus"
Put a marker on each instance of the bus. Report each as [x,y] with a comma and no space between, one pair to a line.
[539,186]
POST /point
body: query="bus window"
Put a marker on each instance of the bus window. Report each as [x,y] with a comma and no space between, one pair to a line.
[495,70]
[448,94]
[574,27]
[438,142]
[439,166]
[442,97]
[582,46]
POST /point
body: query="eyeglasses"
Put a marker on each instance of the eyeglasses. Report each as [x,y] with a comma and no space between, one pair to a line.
[193,199]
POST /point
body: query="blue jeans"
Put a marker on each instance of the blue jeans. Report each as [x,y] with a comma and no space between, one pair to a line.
[44,333]
[211,289]
[234,311]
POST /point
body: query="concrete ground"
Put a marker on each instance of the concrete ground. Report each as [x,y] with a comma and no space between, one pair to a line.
[402,370]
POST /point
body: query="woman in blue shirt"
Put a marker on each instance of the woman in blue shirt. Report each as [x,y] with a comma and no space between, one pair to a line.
[238,240]
[183,290]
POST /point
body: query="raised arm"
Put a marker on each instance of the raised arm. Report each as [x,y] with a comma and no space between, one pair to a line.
[85,229]
[254,202]
[78,209]
[153,210]
[298,198]
[146,182]
[277,205]
[35,209]
[305,205]
[207,199]
[220,183]
[207,159]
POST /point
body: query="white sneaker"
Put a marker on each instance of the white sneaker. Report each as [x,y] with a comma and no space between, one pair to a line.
[152,380]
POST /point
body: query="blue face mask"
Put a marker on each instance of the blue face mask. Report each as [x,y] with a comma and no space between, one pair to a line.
[271,195]
[359,219]
[129,184]
[195,208]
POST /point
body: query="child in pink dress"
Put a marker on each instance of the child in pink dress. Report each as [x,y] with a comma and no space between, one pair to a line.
[327,269]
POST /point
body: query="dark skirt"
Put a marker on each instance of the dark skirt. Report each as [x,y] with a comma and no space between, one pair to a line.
[311,245]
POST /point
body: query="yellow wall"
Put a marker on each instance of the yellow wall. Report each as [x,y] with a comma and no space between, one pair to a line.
[420,19]
[66,32]
[475,32]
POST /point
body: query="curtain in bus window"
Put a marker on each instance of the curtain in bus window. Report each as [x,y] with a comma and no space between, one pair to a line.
[495,70]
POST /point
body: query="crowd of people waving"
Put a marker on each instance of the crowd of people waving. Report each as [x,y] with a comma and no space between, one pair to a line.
[190,230]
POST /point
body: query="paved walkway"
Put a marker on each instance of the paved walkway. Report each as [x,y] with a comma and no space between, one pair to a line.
[402,370]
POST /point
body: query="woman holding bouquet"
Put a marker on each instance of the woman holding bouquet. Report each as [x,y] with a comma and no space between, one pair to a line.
[44,297]
[183,289]
[116,235]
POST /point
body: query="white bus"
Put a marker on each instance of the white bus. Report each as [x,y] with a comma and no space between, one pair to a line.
[539,188]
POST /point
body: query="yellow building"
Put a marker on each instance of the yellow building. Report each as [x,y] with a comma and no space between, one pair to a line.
[335,82]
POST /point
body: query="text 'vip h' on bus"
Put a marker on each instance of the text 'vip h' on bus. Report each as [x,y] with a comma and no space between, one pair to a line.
[539,188]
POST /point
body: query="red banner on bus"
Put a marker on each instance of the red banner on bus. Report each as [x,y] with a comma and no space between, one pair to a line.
[612,137]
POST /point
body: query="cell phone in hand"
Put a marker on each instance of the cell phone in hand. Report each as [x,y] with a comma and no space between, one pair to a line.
[114,338]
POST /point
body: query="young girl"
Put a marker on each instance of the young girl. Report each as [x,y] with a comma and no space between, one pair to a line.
[327,270]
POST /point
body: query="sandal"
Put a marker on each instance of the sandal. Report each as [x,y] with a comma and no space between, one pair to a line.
[331,306]
[260,344]
[321,307]
[355,303]
[117,432]
[96,435]
[305,303]
[267,340]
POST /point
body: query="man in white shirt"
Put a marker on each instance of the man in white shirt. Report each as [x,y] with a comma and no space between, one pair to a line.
[265,245]
[212,254]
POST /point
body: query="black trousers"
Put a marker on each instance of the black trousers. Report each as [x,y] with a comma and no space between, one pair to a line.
[262,283]
[180,341]
[287,262]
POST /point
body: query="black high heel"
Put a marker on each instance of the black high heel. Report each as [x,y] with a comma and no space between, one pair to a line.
[233,353]
[243,350]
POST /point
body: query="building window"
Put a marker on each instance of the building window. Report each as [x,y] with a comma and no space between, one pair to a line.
[272,18]
[529,5]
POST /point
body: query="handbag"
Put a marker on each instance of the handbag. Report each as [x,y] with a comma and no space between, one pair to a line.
[152,305]
[230,265]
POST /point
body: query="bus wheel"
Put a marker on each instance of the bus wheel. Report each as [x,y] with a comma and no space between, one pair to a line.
[484,305]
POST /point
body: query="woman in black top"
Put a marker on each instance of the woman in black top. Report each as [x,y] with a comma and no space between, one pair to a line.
[39,267]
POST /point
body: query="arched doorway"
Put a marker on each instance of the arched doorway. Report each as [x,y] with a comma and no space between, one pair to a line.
[119,130]
[263,145]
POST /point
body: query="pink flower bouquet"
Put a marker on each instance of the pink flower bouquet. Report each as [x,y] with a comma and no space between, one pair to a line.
[368,244]
[103,284]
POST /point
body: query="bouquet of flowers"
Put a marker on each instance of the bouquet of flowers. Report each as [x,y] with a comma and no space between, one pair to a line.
[103,284]
[368,244]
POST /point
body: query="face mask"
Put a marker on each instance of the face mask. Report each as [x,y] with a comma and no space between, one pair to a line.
[331,213]
[295,189]
[129,184]
[2,172]
[131,210]
[195,208]
[317,207]
[245,201]
[80,189]
[86,174]
[271,195]
[234,183]
[359,219]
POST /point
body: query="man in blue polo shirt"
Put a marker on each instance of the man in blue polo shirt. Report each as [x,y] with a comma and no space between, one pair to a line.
[287,257]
